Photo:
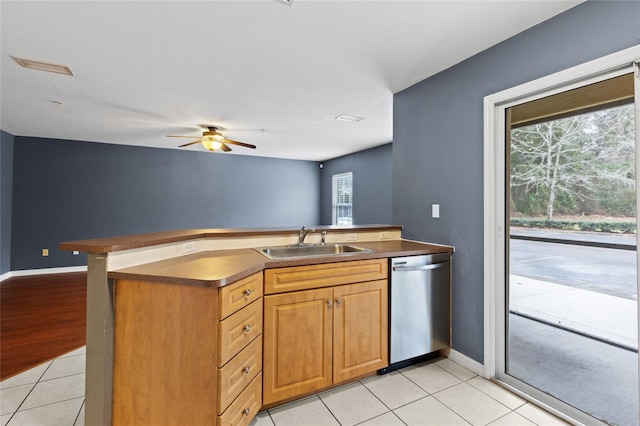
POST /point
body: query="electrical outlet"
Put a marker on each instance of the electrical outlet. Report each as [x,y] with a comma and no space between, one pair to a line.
[435,211]
[352,237]
[384,235]
[45,252]
[188,247]
[75,252]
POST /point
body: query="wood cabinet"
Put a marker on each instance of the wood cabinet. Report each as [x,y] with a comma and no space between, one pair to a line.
[187,354]
[314,338]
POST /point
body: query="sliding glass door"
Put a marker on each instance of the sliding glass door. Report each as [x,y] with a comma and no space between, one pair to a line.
[560,250]
[570,326]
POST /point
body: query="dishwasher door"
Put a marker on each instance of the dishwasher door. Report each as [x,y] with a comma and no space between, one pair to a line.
[420,305]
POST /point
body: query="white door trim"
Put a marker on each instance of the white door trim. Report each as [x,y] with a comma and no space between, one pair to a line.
[494,183]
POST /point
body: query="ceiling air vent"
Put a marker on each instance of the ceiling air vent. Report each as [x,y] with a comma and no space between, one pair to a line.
[43,66]
[349,118]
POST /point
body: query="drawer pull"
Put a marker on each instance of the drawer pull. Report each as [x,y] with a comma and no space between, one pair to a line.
[246,328]
[329,302]
[246,370]
[247,292]
[339,301]
[246,412]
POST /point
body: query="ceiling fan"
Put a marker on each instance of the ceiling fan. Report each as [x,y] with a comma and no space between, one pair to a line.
[213,140]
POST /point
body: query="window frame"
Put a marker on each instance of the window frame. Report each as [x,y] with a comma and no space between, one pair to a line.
[335,205]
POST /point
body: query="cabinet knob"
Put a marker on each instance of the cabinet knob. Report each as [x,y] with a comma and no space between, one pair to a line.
[246,412]
[246,328]
[247,292]
[339,301]
[246,370]
[329,302]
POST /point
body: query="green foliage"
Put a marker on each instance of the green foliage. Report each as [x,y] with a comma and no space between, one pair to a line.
[576,225]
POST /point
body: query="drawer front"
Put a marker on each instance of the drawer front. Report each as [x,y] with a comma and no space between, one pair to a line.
[238,373]
[279,280]
[236,296]
[238,330]
[245,407]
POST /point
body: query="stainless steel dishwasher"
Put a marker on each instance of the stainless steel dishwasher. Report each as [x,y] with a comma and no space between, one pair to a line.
[420,302]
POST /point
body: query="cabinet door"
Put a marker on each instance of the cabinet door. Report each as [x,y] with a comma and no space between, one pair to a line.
[297,343]
[360,329]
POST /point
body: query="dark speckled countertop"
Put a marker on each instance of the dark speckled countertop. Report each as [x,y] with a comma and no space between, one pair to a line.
[218,268]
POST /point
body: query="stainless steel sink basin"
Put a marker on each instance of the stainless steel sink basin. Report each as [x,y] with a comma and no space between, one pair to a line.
[311,250]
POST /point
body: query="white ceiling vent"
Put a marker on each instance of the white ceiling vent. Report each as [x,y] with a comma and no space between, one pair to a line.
[349,118]
[287,2]
[43,66]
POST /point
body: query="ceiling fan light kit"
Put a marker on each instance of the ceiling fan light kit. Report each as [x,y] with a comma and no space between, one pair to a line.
[213,140]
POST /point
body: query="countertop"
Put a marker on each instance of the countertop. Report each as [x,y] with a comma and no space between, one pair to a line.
[127,242]
[217,268]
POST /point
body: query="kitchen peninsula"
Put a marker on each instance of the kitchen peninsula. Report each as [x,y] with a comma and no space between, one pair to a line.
[186,327]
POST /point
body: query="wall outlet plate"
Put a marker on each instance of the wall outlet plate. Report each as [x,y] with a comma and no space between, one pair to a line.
[188,247]
[45,252]
[76,252]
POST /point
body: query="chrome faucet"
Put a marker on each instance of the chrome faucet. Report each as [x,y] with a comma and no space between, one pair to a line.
[303,234]
[323,235]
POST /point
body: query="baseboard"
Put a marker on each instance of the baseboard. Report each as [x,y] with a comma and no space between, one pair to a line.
[466,362]
[42,271]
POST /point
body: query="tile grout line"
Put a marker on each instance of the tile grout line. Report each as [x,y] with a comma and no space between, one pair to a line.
[329,409]
[75,422]
[30,391]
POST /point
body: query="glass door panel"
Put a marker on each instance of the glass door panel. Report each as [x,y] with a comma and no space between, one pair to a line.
[572,274]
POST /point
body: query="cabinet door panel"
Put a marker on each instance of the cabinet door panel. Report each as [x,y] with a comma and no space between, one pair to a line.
[360,329]
[297,343]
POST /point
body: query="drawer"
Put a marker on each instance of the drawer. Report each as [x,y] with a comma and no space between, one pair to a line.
[245,407]
[238,373]
[279,280]
[238,330]
[236,296]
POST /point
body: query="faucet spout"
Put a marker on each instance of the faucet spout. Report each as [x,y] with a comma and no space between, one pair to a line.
[303,234]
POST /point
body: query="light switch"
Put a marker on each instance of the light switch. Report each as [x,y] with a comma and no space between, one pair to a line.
[435,210]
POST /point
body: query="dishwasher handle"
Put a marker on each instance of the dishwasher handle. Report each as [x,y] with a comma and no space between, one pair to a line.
[421,267]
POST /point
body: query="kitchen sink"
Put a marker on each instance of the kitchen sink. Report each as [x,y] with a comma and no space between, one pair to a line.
[311,250]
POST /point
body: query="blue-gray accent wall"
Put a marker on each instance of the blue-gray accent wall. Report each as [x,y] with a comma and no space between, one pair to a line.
[438,139]
[6,191]
[371,170]
[70,190]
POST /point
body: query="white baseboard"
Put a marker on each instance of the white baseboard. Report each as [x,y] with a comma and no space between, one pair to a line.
[466,362]
[42,271]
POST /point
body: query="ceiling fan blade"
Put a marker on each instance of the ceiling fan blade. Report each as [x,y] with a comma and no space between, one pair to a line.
[246,145]
[190,143]
[224,147]
[180,136]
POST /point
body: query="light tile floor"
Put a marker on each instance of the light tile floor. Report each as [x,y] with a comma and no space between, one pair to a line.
[438,392]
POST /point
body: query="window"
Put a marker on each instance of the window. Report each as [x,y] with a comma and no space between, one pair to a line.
[342,199]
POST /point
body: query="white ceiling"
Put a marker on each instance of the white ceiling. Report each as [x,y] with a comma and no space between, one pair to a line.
[146,69]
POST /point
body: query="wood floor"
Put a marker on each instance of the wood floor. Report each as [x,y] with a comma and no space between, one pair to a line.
[41,318]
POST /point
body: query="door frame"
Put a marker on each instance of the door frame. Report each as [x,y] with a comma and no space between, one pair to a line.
[495,106]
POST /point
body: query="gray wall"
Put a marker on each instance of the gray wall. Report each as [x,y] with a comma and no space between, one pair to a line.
[371,185]
[6,190]
[69,190]
[438,139]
